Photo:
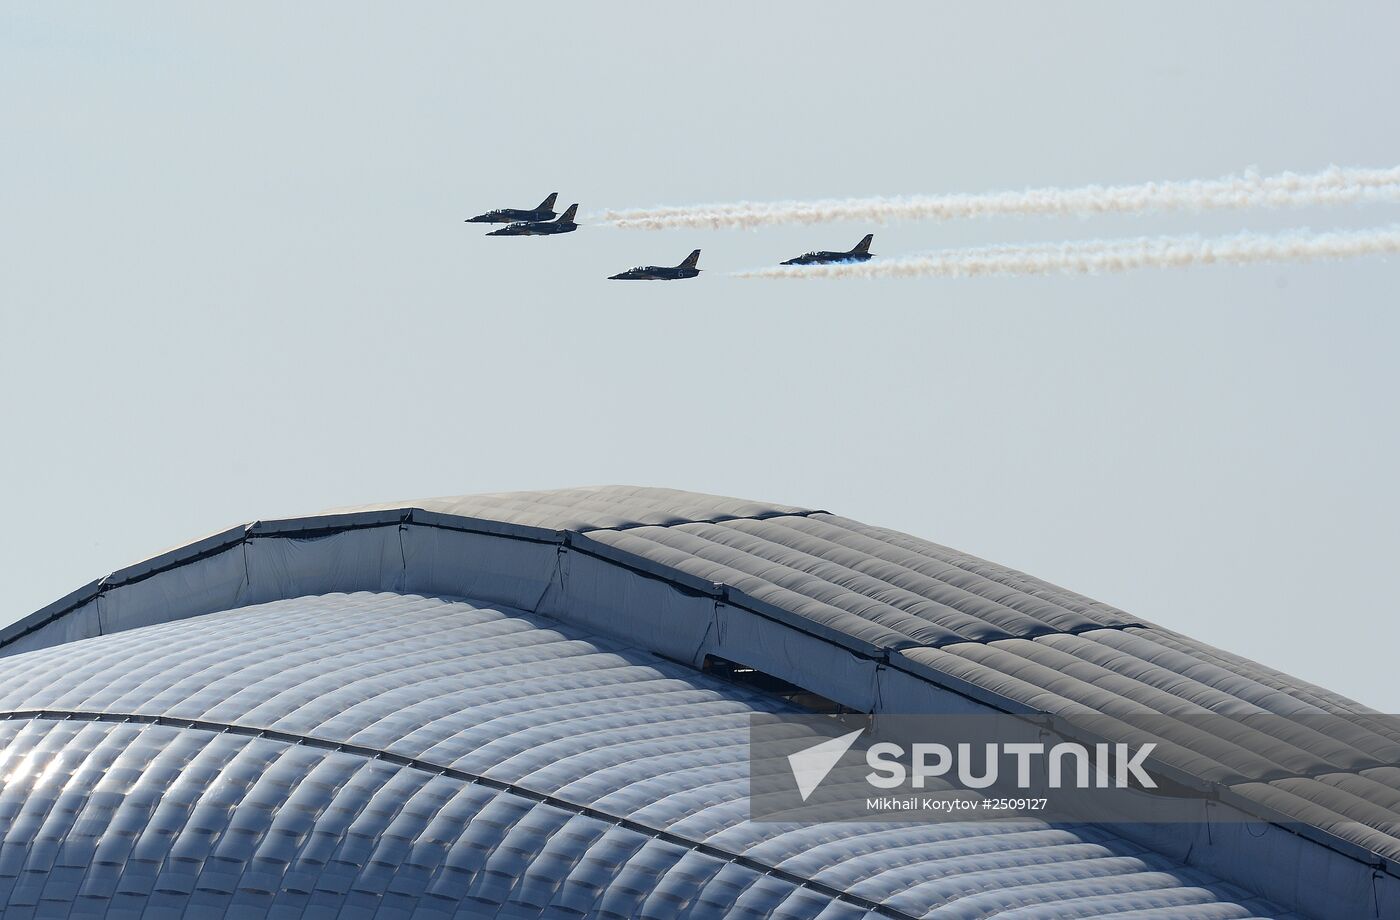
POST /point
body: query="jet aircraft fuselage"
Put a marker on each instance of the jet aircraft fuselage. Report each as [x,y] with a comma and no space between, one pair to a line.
[545,211]
[686,269]
[859,253]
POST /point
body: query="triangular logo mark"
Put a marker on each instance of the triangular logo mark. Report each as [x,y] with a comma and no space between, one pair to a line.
[811,765]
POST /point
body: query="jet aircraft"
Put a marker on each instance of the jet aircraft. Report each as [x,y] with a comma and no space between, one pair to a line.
[686,269]
[859,253]
[510,215]
[564,224]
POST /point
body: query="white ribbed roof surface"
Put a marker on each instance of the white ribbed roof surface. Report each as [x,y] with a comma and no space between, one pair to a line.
[508,644]
[235,762]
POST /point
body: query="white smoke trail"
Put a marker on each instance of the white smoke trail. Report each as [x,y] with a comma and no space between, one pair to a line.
[1332,186]
[1094,256]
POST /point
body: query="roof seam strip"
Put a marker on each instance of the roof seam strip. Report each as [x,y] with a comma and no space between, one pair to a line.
[718,519]
[544,798]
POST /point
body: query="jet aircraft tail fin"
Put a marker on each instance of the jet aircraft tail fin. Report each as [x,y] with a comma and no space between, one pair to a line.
[548,203]
[568,215]
[691,260]
[864,244]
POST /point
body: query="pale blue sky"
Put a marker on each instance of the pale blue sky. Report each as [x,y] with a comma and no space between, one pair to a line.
[235,284]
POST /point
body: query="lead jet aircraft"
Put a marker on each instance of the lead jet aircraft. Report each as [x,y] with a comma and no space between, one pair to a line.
[510,215]
[565,224]
[686,269]
[859,253]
